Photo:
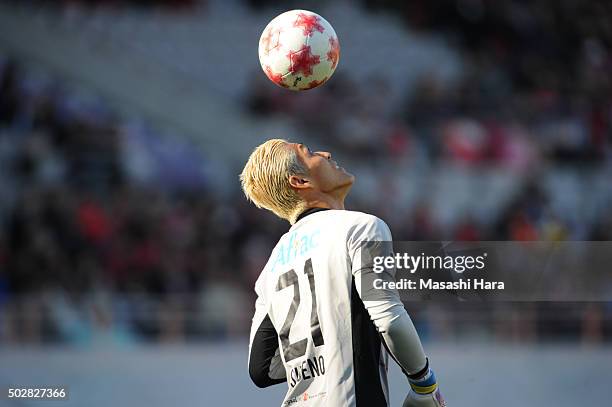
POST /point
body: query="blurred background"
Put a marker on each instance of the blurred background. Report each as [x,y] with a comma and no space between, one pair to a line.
[128,253]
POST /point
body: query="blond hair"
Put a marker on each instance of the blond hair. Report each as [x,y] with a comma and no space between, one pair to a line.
[265,179]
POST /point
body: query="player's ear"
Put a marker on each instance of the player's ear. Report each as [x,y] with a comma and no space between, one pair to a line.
[299,182]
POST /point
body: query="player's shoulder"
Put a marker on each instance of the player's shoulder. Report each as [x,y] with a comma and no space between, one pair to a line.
[362,218]
[338,220]
[333,219]
[338,225]
[360,225]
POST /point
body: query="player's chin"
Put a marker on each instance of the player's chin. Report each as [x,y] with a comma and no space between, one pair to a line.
[347,179]
[347,174]
[341,171]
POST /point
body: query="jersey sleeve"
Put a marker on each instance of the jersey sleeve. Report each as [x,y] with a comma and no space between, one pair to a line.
[368,238]
[265,364]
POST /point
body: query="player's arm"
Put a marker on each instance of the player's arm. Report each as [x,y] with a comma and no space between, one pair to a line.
[265,364]
[385,307]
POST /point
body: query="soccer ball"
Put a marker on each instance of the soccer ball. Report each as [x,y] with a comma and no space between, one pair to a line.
[299,50]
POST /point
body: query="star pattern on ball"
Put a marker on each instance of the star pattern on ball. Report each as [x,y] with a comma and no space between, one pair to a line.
[271,40]
[314,83]
[302,61]
[333,54]
[308,23]
[277,78]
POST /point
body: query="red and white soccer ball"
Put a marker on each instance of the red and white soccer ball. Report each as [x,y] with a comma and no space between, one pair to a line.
[299,50]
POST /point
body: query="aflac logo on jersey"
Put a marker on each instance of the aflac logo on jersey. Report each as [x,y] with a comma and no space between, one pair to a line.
[296,245]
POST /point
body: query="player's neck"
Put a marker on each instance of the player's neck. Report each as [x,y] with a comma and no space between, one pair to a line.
[326,202]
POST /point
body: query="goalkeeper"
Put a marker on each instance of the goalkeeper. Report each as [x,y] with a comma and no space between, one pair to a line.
[318,325]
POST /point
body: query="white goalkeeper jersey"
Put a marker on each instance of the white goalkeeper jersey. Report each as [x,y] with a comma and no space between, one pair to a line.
[315,329]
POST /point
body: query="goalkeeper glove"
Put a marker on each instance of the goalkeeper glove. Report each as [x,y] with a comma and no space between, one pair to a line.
[424,391]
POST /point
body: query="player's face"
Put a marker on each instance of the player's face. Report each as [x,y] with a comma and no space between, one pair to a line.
[324,174]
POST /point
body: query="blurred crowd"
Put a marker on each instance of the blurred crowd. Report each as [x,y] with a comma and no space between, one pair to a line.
[181,5]
[75,228]
[535,92]
[87,252]
[537,77]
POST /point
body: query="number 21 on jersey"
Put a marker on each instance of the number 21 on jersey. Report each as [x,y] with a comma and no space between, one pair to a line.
[296,349]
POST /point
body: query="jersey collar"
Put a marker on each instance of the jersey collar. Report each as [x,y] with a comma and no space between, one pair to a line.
[309,211]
